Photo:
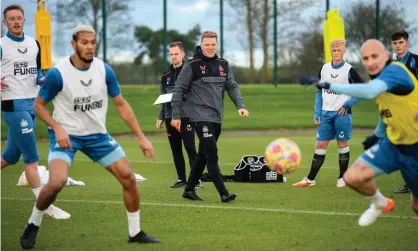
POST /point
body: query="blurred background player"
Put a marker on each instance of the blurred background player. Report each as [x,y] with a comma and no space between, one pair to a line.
[205,80]
[79,87]
[395,90]
[186,134]
[20,74]
[401,44]
[333,114]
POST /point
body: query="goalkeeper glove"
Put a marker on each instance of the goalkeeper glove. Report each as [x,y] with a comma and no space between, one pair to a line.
[370,141]
[306,80]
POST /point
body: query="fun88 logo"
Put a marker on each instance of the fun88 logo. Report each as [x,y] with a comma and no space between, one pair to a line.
[22,68]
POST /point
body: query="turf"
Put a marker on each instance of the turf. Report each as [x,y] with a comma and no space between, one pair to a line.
[264,216]
[287,106]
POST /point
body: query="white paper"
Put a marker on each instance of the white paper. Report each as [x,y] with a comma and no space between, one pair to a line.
[164,98]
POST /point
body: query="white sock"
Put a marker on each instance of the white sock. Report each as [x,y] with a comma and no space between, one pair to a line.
[36,217]
[379,200]
[133,222]
[36,191]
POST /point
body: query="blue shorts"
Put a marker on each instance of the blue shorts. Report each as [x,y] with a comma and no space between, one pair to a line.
[385,157]
[20,138]
[334,127]
[101,148]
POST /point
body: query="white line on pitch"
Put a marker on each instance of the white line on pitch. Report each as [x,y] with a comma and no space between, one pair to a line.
[171,162]
[282,210]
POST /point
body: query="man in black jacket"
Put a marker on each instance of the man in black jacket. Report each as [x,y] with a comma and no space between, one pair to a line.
[186,134]
[205,80]
[400,44]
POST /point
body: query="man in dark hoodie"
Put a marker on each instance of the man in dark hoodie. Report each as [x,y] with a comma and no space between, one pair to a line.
[401,44]
[204,80]
[186,134]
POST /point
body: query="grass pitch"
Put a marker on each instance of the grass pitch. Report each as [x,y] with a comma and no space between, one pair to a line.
[264,216]
[287,106]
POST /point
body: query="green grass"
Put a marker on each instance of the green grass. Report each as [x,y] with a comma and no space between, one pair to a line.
[297,219]
[288,106]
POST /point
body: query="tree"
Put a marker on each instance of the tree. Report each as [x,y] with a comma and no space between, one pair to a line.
[309,49]
[151,44]
[259,24]
[72,12]
[263,23]
[360,23]
[246,8]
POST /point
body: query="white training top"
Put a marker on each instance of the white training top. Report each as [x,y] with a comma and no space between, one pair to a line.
[19,67]
[80,107]
[332,101]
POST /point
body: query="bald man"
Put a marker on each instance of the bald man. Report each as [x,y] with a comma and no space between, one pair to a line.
[332,114]
[395,90]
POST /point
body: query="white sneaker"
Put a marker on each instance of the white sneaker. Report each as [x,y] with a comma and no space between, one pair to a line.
[340,182]
[139,178]
[371,214]
[305,182]
[57,213]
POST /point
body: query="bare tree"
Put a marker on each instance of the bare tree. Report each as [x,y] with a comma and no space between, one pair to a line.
[73,12]
[246,8]
[263,20]
[362,25]
[250,27]
[259,22]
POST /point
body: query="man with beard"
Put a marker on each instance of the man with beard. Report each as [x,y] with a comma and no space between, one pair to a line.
[79,87]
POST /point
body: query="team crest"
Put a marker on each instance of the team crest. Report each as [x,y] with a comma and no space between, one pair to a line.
[168,80]
[22,51]
[23,123]
[375,148]
[222,71]
[203,69]
[205,129]
[189,128]
[86,84]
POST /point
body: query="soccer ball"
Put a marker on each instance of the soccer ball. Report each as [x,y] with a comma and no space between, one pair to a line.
[283,156]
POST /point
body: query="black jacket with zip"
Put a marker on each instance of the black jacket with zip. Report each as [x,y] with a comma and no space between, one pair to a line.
[168,80]
[205,81]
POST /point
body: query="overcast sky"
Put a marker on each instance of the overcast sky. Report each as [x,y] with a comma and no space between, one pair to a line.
[184,14]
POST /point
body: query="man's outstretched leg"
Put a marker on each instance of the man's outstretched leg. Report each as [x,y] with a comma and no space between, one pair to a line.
[32,175]
[120,169]
[58,174]
[25,144]
[360,178]
[383,157]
